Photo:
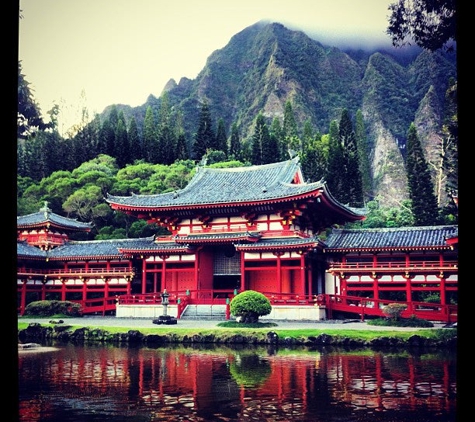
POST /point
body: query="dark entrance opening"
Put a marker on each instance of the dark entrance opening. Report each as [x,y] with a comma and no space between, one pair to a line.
[226,282]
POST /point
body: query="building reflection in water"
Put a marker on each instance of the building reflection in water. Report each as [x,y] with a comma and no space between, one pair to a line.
[74,383]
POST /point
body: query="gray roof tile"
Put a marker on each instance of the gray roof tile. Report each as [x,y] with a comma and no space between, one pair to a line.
[230,185]
[390,238]
[97,248]
[25,250]
[45,216]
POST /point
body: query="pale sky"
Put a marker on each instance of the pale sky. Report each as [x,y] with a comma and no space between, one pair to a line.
[95,53]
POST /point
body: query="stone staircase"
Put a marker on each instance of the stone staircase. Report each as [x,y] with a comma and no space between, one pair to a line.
[205,312]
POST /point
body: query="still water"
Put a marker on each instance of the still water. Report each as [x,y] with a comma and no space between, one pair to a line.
[213,383]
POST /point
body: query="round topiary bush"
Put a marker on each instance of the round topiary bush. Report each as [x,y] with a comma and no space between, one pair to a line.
[249,305]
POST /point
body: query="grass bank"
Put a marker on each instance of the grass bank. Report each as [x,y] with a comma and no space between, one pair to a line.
[259,331]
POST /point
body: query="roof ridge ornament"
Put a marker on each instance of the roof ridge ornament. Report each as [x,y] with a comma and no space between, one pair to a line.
[46,209]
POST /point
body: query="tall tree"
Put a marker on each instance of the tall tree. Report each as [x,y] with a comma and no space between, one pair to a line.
[221,137]
[113,121]
[263,149]
[182,148]
[421,189]
[150,137]
[277,133]
[336,164]
[205,137]
[122,146]
[29,118]
[352,193]
[166,146]
[135,142]
[234,143]
[315,158]
[363,156]
[430,24]
[290,130]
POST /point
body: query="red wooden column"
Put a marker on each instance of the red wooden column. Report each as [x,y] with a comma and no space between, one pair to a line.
[407,276]
[144,275]
[308,271]
[279,271]
[243,273]
[302,274]
[43,290]
[23,297]
[84,290]
[442,286]
[375,279]
[164,277]
[63,290]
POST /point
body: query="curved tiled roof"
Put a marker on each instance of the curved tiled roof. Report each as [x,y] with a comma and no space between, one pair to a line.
[104,249]
[45,217]
[24,250]
[218,237]
[280,243]
[425,237]
[229,185]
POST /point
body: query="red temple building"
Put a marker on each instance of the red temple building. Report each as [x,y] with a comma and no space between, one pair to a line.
[249,228]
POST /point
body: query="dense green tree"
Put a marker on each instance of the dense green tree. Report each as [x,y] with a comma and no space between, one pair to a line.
[381,217]
[110,140]
[182,152]
[150,136]
[166,141]
[29,118]
[205,138]
[122,147]
[182,148]
[421,189]
[263,147]
[363,156]
[278,137]
[430,24]
[308,134]
[221,137]
[235,143]
[167,145]
[290,130]
[315,158]
[133,178]
[352,192]
[135,142]
[335,168]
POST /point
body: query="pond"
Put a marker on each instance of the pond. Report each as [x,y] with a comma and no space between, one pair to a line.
[66,382]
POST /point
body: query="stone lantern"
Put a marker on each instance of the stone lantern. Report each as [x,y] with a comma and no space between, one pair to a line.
[165,318]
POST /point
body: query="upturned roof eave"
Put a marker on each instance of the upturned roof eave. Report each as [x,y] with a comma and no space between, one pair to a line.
[386,248]
[317,192]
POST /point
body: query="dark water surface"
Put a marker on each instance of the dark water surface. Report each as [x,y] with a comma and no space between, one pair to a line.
[218,383]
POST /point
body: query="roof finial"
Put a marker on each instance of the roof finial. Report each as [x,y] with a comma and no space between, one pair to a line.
[45,209]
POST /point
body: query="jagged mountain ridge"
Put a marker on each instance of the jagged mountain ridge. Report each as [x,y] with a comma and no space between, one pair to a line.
[266,64]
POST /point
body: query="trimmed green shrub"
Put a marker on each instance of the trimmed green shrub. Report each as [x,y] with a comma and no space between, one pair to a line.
[53,307]
[249,305]
[394,310]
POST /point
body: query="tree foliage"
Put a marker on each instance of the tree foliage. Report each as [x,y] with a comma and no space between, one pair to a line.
[29,118]
[249,305]
[205,137]
[430,24]
[421,188]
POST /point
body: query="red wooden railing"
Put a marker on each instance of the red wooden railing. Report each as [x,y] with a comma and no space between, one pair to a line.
[353,305]
[73,271]
[383,266]
[373,307]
